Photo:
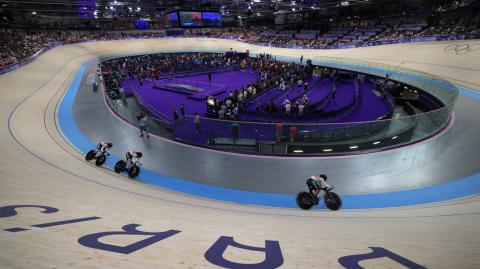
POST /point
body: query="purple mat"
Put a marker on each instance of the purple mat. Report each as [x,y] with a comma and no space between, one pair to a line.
[165,101]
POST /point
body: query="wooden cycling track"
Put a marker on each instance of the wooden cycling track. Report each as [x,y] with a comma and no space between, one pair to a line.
[39,167]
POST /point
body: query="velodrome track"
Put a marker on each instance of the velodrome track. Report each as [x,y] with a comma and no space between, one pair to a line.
[39,167]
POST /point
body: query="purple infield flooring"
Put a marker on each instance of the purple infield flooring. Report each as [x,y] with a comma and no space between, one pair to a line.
[344,97]
[296,92]
[370,106]
[163,102]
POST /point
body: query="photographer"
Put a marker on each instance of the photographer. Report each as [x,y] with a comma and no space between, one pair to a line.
[142,118]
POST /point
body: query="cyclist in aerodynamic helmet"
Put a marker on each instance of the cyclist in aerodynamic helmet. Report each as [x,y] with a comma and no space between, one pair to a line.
[317,183]
[103,147]
[132,157]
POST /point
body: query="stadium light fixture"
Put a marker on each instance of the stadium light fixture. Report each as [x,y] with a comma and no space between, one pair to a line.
[327,150]
[298,151]
[353,147]
[376,142]
[395,137]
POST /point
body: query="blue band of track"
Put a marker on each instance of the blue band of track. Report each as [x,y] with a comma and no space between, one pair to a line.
[452,190]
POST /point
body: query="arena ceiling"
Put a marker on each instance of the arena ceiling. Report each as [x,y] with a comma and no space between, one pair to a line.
[152,8]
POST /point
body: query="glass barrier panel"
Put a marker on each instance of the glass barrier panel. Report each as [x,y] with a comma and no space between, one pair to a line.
[305,138]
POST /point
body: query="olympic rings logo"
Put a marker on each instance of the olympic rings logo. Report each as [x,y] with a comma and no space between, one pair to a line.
[458,48]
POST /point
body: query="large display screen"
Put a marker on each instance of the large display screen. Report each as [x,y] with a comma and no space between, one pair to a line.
[193,19]
[141,24]
[211,19]
[280,18]
[294,17]
[172,19]
[190,19]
